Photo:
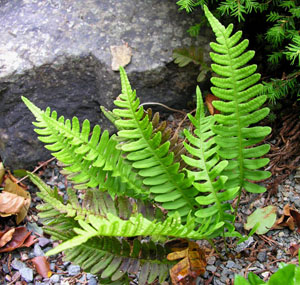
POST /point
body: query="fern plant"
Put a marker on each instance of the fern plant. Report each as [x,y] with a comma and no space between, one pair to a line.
[278,41]
[127,178]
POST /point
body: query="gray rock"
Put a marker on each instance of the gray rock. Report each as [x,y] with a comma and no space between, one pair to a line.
[90,275]
[5,268]
[211,260]
[73,270]
[218,282]
[52,266]
[55,278]
[33,227]
[230,264]
[242,246]
[211,268]
[92,281]
[297,203]
[37,250]
[43,241]
[60,56]
[27,274]
[17,264]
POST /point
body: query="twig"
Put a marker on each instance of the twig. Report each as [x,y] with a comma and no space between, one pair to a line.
[36,169]
[163,105]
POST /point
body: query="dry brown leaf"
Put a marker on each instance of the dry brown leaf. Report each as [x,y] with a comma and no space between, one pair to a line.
[208,100]
[10,204]
[192,265]
[42,266]
[121,56]
[296,216]
[21,238]
[6,237]
[290,218]
[14,200]
[2,172]
[294,248]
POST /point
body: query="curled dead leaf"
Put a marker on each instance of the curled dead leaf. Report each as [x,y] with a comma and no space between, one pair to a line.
[192,265]
[42,266]
[290,218]
[14,200]
[294,248]
[20,238]
[2,172]
[6,237]
[208,100]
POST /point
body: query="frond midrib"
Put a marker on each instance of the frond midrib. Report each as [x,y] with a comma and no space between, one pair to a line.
[237,112]
[170,176]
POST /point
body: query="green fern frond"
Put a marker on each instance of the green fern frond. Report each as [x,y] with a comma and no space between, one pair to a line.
[184,56]
[88,239]
[113,259]
[207,169]
[135,226]
[240,105]
[110,258]
[88,159]
[150,156]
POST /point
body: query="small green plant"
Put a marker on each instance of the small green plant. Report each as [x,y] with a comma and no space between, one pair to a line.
[128,177]
[278,38]
[286,274]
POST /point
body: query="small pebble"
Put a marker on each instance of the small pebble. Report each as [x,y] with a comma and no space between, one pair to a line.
[92,281]
[38,251]
[218,282]
[211,268]
[55,278]
[90,275]
[33,227]
[52,266]
[27,274]
[211,260]
[297,203]
[66,263]
[73,270]
[17,264]
[262,256]
[5,268]
[43,241]
[230,264]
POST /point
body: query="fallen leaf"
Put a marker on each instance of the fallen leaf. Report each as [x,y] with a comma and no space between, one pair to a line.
[296,215]
[290,218]
[121,56]
[21,238]
[14,199]
[294,248]
[192,265]
[42,266]
[6,237]
[209,98]
[266,218]
[2,172]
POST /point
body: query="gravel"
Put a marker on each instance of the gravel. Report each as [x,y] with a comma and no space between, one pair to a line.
[27,274]
[260,255]
[73,270]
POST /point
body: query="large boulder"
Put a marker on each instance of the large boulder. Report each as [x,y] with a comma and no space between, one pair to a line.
[64,54]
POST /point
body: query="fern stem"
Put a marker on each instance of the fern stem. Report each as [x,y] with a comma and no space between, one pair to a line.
[215,249]
[237,204]
[225,243]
